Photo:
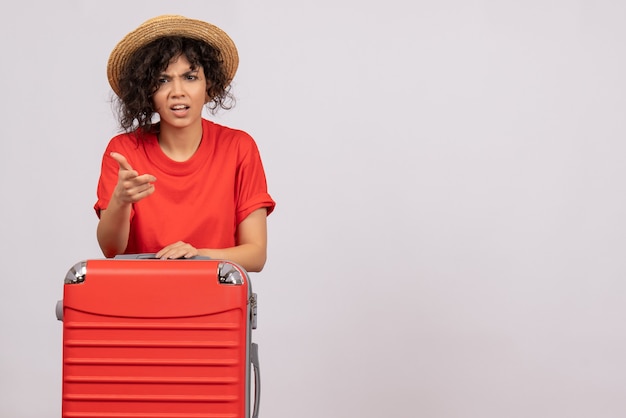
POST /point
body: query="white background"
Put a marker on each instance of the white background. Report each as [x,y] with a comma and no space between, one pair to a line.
[449,238]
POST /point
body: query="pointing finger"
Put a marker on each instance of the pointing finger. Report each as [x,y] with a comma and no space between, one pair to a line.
[121,160]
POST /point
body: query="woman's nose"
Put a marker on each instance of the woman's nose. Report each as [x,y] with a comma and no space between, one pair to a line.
[177,87]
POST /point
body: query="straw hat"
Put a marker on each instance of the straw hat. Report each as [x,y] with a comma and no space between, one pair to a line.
[171,25]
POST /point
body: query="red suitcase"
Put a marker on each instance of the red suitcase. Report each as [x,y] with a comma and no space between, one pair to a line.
[161,339]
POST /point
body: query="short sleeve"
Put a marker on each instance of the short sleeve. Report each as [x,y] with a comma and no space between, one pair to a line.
[251,191]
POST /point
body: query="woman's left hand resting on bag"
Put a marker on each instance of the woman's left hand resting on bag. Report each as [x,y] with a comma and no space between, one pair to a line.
[250,252]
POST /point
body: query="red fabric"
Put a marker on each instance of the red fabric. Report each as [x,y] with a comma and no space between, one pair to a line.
[200,201]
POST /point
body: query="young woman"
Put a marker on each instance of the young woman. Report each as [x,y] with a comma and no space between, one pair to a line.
[175,184]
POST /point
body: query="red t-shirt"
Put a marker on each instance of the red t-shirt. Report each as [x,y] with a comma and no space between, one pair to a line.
[200,201]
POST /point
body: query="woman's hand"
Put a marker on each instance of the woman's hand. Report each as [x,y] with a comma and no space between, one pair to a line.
[131,187]
[250,251]
[177,250]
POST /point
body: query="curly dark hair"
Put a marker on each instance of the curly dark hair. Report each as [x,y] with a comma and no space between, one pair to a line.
[139,79]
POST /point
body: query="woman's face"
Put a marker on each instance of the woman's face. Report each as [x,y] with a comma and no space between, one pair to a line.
[181,95]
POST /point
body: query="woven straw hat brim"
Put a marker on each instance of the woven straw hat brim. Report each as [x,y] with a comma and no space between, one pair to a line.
[171,25]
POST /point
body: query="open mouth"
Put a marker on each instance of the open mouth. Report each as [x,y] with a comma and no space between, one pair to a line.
[180,107]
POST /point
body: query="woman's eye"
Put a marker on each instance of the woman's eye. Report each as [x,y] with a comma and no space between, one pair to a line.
[162,80]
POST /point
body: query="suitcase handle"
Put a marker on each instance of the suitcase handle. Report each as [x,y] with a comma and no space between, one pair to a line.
[152,256]
[254,358]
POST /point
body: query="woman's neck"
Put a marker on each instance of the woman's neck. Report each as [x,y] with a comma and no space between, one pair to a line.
[180,144]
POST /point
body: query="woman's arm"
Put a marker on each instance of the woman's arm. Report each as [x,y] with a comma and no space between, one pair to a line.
[250,251]
[114,225]
[113,229]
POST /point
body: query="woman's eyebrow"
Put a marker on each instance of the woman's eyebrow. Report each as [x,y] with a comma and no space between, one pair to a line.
[189,71]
